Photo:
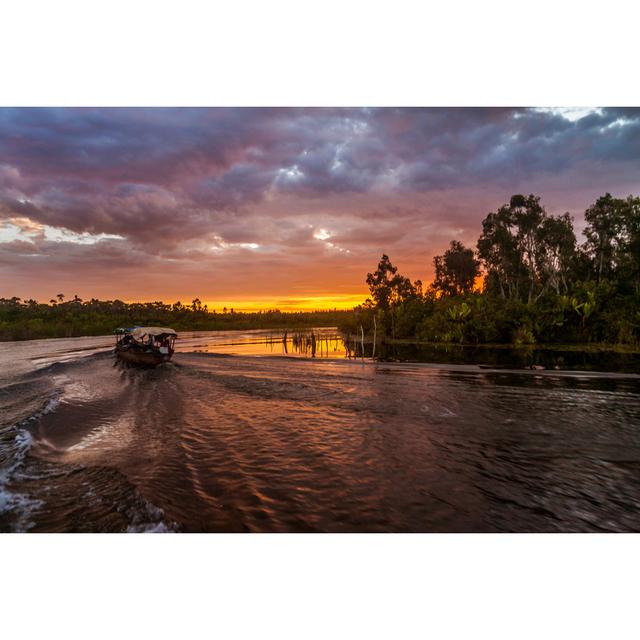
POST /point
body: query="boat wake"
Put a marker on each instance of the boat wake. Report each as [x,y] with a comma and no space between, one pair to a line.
[41,494]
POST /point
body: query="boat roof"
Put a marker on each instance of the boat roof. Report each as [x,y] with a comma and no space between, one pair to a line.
[140,332]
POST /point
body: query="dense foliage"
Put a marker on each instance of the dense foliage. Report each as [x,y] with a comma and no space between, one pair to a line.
[23,320]
[539,284]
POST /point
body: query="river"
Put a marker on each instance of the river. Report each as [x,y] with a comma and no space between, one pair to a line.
[239,434]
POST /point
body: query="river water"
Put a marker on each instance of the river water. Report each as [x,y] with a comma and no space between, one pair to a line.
[239,434]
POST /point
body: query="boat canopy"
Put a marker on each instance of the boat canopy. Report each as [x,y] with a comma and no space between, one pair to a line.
[157,332]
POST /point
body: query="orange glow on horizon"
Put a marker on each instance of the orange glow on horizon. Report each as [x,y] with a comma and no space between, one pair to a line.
[283,303]
[327,302]
[289,303]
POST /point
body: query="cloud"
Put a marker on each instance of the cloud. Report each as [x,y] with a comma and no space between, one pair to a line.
[243,191]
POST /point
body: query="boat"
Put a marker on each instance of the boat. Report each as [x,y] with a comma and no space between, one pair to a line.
[145,346]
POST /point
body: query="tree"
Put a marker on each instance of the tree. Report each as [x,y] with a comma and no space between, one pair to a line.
[527,215]
[605,221]
[389,288]
[456,270]
[525,251]
[498,249]
[381,282]
[60,297]
[627,257]
[557,252]
[632,240]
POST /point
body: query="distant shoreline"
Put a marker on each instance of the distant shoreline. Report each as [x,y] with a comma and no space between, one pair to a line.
[110,334]
[34,321]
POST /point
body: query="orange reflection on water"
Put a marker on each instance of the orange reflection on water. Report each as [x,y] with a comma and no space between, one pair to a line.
[321,342]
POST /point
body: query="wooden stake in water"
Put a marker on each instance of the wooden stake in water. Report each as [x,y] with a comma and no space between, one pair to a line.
[375,329]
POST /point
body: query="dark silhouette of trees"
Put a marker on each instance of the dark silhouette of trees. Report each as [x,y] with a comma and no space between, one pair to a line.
[630,262]
[557,258]
[539,284]
[381,282]
[603,233]
[525,252]
[389,288]
[29,319]
[613,239]
[456,270]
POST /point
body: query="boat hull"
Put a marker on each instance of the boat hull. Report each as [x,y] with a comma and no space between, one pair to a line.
[142,358]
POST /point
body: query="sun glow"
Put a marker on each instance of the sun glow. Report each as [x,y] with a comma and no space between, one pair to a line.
[288,303]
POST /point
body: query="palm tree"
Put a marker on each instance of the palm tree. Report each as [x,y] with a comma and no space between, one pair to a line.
[60,297]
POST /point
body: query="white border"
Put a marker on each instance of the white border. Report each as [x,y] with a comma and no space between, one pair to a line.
[320,586]
[286,52]
[334,52]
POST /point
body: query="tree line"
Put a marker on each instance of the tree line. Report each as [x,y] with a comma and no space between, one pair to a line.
[528,280]
[61,317]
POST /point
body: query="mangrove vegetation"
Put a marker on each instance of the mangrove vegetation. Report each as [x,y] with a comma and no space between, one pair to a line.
[527,281]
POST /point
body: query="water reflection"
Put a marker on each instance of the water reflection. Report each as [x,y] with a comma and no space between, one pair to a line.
[505,356]
[328,342]
[323,342]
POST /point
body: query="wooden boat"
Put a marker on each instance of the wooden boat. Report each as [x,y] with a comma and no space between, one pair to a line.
[145,346]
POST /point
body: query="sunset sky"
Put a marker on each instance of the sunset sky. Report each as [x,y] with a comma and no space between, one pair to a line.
[288,208]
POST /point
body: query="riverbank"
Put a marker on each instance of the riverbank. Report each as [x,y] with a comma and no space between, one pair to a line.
[569,357]
[597,347]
